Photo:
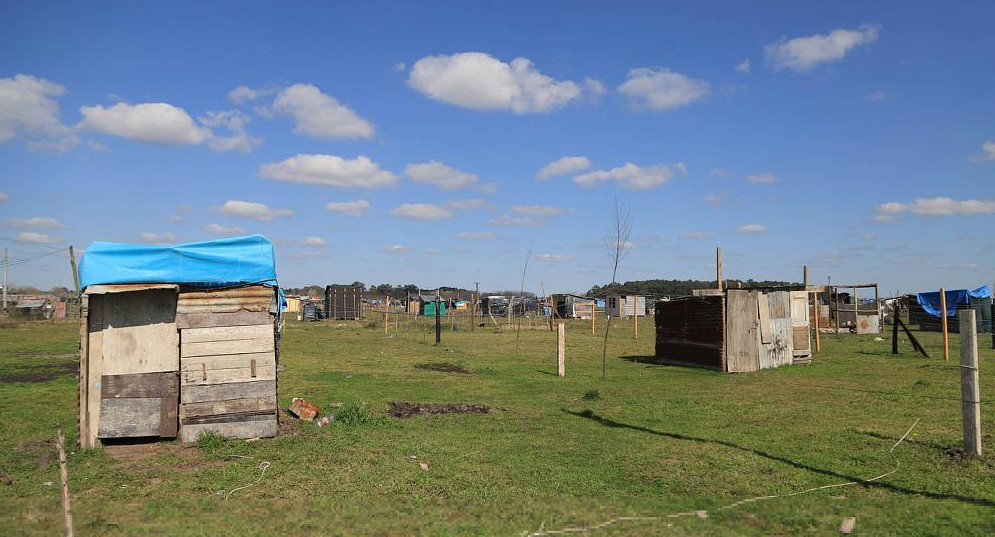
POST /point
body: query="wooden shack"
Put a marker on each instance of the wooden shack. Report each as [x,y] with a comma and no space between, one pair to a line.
[195,352]
[735,330]
[567,306]
[626,306]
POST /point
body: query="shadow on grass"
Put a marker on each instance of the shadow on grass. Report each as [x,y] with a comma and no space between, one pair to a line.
[607,422]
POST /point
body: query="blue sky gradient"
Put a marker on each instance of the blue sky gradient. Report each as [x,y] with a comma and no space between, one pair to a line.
[787,133]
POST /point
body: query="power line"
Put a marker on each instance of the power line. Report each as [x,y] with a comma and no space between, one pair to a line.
[29,243]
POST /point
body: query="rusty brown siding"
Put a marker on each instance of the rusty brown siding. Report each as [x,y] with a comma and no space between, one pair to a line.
[690,331]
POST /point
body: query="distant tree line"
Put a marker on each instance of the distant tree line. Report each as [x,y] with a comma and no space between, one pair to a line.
[662,288]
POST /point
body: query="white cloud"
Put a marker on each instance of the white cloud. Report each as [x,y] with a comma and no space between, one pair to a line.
[354,209]
[153,123]
[245,94]
[3,196]
[881,218]
[315,241]
[876,97]
[422,211]
[696,235]
[234,122]
[398,67]
[252,210]
[441,175]
[743,67]
[564,166]
[752,228]
[479,81]
[320,115]
[329,170]
[482,236]
[595,89]
[537,210]
[802,53]
[987,152]
[554,258]
[218,229]
[938,207]
[515,221]
[397,249]
[35,221]
[154,238]
[765,177]
[28,109]
[38,238]
[662,89]
[631,176]
[466,205]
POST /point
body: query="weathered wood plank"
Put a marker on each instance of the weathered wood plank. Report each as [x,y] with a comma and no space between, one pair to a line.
[129,418]
[235,417]
[226,333]
[221,308]
[139,332]
[224,392]
[226,361]
[94,370]
[742,320]
[83,438]
[214,348]
[763,307]
[106,289]
[226,376]
[231,406]
[244,429]
[140,385]
[236,318]
[249,291]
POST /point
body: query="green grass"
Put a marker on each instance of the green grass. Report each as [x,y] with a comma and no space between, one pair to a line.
[656,440]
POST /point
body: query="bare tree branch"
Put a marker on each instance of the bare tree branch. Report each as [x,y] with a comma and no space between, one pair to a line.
[618,244]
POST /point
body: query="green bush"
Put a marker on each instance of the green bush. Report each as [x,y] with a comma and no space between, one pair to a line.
[592,395]
[212,442]
[359,414]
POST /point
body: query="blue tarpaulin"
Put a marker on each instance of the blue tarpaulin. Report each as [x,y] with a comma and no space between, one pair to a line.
[223,262]
[931,301]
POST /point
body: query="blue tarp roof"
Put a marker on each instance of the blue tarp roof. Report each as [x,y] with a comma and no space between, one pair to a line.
[223,262]
[931,301]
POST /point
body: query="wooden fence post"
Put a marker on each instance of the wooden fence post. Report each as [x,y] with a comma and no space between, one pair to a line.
[969,390]
[561,338]
[943,320]
[64,479]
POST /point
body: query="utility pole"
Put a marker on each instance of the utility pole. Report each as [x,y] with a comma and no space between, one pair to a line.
[72,265]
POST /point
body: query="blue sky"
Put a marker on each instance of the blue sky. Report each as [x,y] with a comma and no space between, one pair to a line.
[407,142]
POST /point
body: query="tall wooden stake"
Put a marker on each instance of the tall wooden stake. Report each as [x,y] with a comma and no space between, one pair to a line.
[594,308]
[635,315]
[943,320]
[805,275]
[969,390]
[438,322]
[718,268]
[818,346]
[64,476]
[4,281]
[386,315]
[561,338]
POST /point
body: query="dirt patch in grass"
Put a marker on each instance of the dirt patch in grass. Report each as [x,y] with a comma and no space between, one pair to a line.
[42,372]
[404,409]
[443,367]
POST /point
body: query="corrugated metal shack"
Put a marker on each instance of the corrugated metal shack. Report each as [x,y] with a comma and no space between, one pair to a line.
[737,330]
[177,340]
[343,302]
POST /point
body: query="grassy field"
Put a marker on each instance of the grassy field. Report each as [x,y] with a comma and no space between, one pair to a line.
[648,441]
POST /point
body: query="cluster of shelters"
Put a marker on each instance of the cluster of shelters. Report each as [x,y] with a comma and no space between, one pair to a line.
[176,340]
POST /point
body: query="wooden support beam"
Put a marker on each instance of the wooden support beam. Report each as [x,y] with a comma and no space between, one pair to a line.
[718,268]
[561,338]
